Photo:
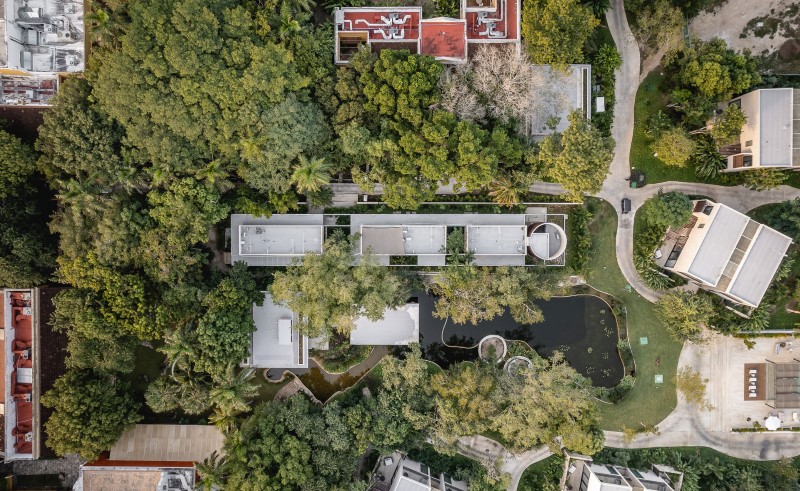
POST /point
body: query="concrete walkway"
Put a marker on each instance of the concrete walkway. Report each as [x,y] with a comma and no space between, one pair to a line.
[479,447]
[721,361]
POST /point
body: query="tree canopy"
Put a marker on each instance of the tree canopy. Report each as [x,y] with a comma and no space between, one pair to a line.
[291,445]
[578,158]
[684,314]
[328,292]
[393,137]
[665,210]
[555,31]
[90,413]
[674,146]
[193,84]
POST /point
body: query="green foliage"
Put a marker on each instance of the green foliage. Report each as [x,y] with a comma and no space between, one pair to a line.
[125,301]
[402,412]
[579,158]
[580,239]
[607,60]
[706,73]
[657,124]
[467,293]
[447,8]
[706,159]
[555,31]
[667,210]
[658,25]
[728,125]
[674,146]
[684,314]
[26,255]
[90,413]
[291,445]
[170,87]
[785,217]
[93,343]
[311,175]
[223,331]
[764,179]
[527,410]
[329,293]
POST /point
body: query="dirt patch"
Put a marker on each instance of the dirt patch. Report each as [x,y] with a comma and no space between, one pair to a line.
[762,26]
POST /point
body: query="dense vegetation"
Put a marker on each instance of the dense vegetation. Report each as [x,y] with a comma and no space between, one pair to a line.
[194,109]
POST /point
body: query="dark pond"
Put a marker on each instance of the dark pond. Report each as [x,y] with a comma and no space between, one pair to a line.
[582,327]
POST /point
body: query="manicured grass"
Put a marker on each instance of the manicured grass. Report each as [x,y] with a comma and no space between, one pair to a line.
[649,100]
[647,402]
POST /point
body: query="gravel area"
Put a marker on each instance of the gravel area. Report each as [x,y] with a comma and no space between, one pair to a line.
[69,466]
[729,21]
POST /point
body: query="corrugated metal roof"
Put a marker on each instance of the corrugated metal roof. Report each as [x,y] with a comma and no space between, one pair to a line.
[776,127]
[760,265]
[719,243]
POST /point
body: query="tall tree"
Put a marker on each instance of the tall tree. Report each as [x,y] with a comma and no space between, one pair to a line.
[674,147]
[91,411]
[684,314]
[579,158]
[194,82]
[26,250]
[658,25]
[311,175]
[728,125]
[555,31]
[224,329]
[291,445]
[467,401]
[329,292]
[665,210]
[550,400]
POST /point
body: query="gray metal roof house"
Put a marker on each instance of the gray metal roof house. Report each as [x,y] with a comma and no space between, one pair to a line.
[726,252]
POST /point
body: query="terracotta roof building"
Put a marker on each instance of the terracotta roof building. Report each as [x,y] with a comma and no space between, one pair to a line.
[446,39]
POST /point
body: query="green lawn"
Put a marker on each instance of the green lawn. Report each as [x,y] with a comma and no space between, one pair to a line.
[649,100]
[647,402]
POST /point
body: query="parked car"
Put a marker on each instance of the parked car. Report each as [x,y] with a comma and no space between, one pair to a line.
[626,205]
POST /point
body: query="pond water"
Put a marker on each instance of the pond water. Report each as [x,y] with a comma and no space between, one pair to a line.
[582,327]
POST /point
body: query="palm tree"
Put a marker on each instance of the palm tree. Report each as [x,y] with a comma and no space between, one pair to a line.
[290,25]
[212,472]
[232,393]
[311,175]
[214,174]
[103,27]
[706,159]
[505,190]
[179,348]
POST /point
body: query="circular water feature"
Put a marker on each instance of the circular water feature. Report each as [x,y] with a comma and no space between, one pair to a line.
[492,346]
[516,363]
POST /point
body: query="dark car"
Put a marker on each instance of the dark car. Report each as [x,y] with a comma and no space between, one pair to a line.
[626,205]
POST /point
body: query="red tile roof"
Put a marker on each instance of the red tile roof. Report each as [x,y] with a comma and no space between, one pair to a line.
[444,38]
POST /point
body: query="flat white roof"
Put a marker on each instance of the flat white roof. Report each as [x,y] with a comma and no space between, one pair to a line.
[399,327]
[275,241]
[404,240]
[270,347]
[497,240]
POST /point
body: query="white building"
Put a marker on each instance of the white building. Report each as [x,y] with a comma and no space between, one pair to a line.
[724,251]
[770,138]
